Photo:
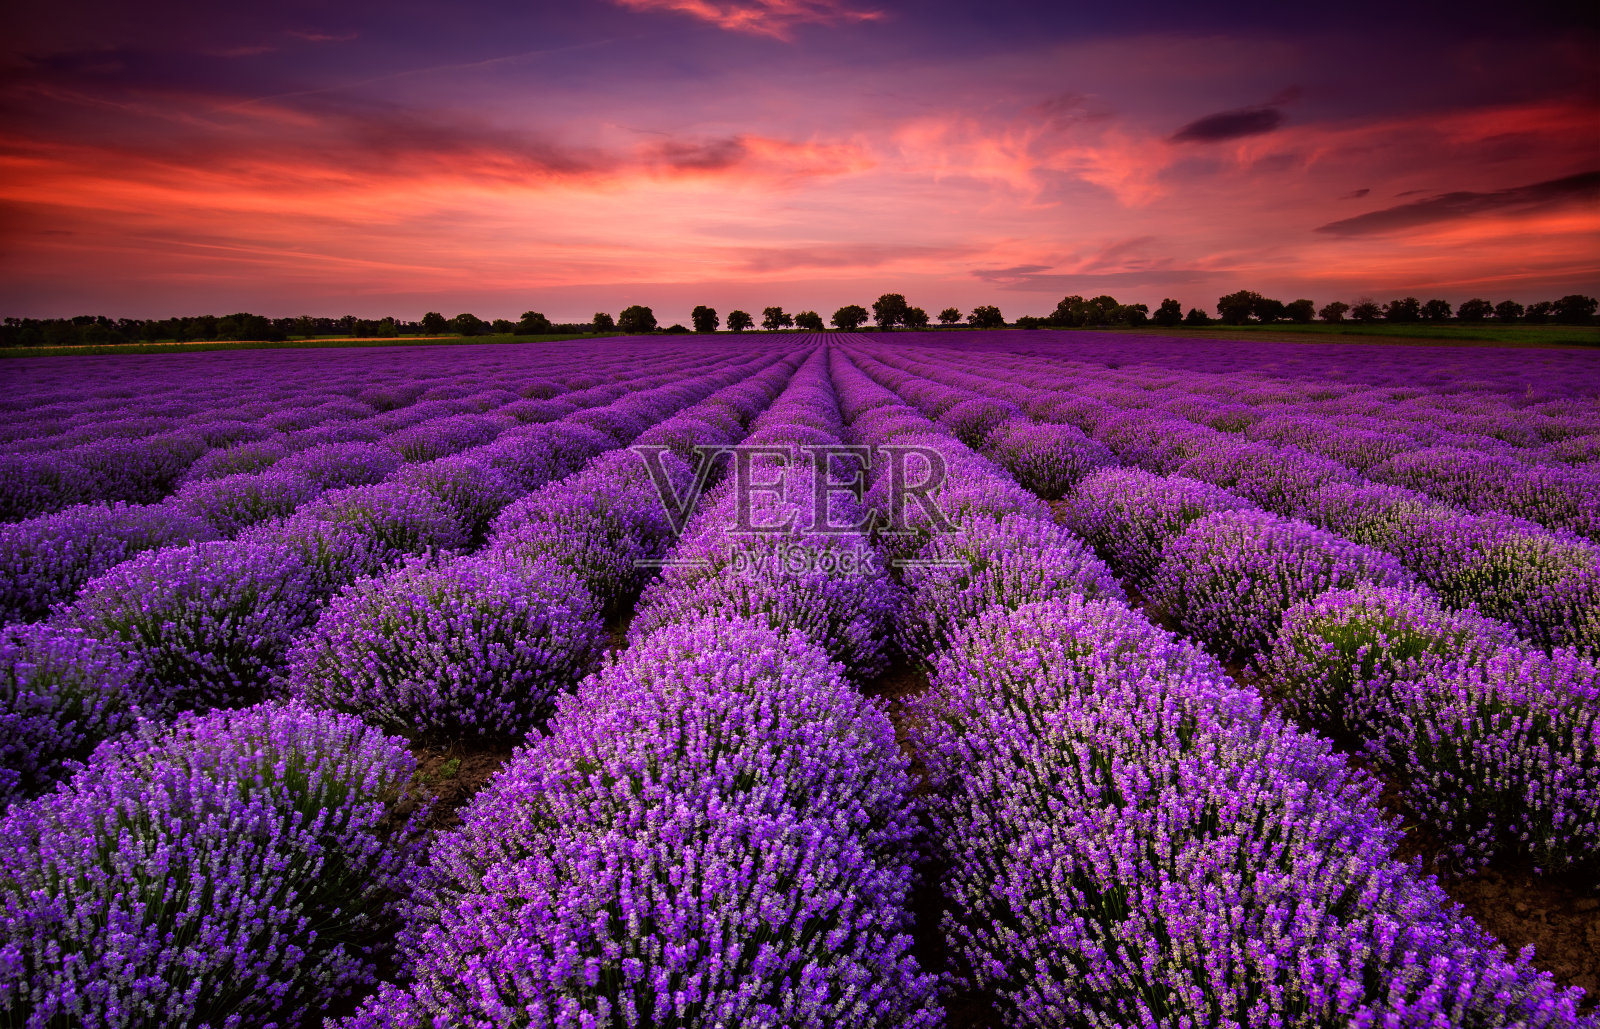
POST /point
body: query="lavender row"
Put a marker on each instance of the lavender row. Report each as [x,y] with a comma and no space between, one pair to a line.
[1500,755]
[47,559]
[1545,583]
[213,623]
[828,585]
[1082,759]
[720,755]
[480,646]
[141,458]
[1473,470]
[295,927]
[1510,400]
[55,403]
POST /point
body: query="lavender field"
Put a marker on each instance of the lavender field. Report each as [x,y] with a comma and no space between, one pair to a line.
[1144,681]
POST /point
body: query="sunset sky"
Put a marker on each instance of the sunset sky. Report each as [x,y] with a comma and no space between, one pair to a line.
[331,158]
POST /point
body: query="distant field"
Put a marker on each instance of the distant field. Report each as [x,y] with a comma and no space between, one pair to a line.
[1403,335]
[1498,335]
[292,344]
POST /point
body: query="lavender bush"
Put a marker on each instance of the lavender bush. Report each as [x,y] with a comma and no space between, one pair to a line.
[711,833]
[46,560]
[1006,563]
[36,484]
[405,519]
[470,647]
[1503,757]
[1128,515]
[1230,577]
[234,502]
[1044,458]
[338,465]
[208,623]
[1134,843]
[61,693]
[473,490]
[235,869]
[1336,659]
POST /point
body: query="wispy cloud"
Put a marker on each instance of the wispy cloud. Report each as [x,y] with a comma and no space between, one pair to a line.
[1447,207]
[775,18]
[1226,125]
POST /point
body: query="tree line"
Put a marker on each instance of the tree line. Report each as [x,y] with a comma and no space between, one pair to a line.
[99,330]
[889,311]
[1245,307]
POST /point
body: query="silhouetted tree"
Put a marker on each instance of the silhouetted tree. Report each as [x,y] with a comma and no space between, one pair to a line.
[502,326]
[1236,308]
[1300,311]
[738,321]
[1196,317]
[1436,311]
[774,318]
[850,317]
[1028,321]
[1404,310]
[1576,309]
[533,323]
[915,318]
[1474,310]
[986,316]
[1132,315]
[811,321]
[603,322]
[1538,314]
[468,324]
[888,310]
[636,318]
[1071,312]
[949,316]
[1508,311]
[388,328]
[1334,312]
[1365,311]
[1168,314]
[705,319]
[433,323]
[1268,310]
[676,329]
[347,324]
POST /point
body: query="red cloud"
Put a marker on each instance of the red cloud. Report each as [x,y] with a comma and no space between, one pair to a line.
[772,18]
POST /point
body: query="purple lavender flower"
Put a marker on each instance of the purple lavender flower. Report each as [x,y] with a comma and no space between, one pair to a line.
[472,647]
[209,623]
[336,465]
[1337,657]
[1502,756]
[234,869]
[1006,563]
[47,560]
[36,484]
[1230,577]
[971,421]
[1127,515]
[1133,842]
[61,693]
[136,470]
[1046,459]
[715,829]
[250,456]
[235,502]
[441,437]
[473,490]
[406,519]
